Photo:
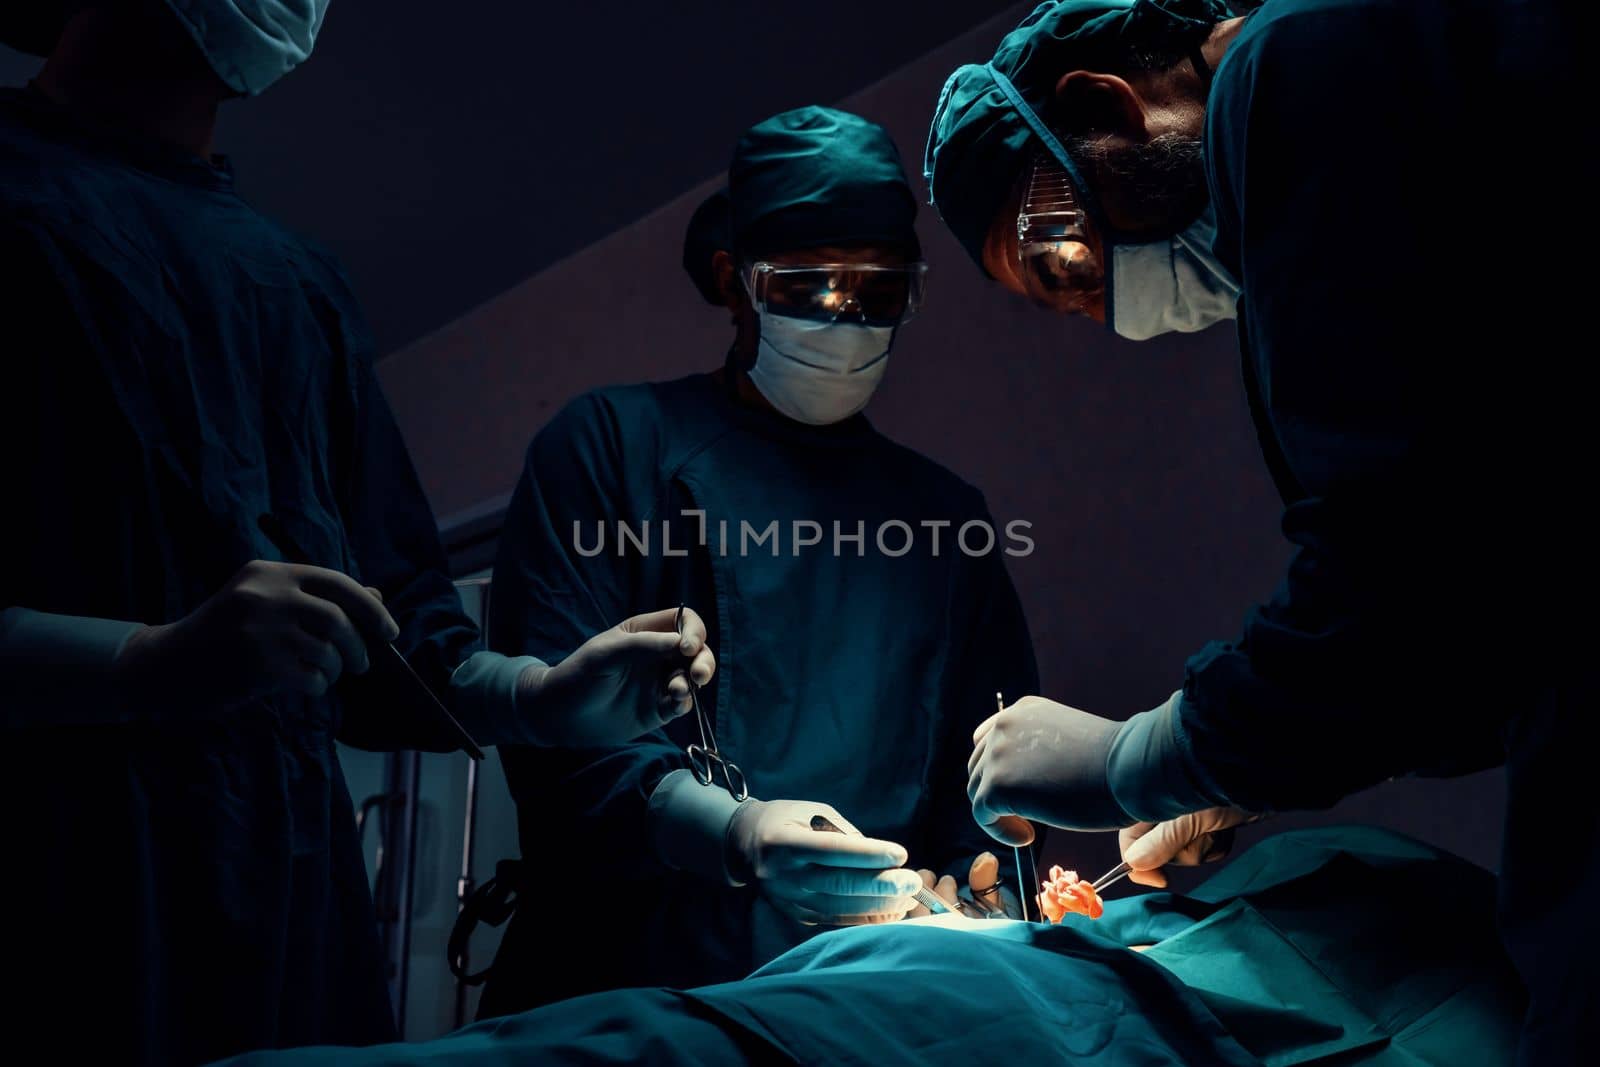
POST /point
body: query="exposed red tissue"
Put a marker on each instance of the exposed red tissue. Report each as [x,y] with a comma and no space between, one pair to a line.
[1066,893]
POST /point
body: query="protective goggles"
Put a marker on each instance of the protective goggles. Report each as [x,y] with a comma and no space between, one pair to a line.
[1055,257]
[869,294]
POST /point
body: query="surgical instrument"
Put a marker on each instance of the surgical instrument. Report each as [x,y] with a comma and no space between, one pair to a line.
[1016,853]
[1111,877]
[392,669]
[706,753]
[1022,898]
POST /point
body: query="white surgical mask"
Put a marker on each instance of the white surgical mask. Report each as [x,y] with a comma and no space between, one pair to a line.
[252,43]
[819,372]
[1172,285]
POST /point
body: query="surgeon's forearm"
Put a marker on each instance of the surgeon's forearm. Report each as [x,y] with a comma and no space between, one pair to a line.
[486,695]
[1151,770]
[689,825]
[60,670]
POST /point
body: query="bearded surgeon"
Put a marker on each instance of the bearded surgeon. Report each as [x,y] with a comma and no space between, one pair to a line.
[1337,177]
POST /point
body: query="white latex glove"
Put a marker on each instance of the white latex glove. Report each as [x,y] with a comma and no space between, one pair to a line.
[818,877]
[1199,837]
[619,684]
[1046,762]
[274,627]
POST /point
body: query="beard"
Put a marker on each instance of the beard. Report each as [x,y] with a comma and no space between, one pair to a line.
[1150,190]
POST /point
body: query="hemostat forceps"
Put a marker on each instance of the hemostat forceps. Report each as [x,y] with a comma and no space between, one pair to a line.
[704,758]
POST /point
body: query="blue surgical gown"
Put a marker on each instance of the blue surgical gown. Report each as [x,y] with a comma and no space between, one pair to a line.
[1408,298]
[183,886]
[850,677]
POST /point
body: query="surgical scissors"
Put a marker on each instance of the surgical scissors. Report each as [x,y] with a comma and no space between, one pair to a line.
[704,757]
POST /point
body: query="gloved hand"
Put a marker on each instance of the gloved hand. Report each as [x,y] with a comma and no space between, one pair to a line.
[274,627]
[983,892]
[818,877]
[1199,837]
[1043,761]
[619,684]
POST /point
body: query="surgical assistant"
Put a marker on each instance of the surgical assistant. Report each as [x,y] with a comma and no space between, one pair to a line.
[185,376]
[852,671]
[1142,162]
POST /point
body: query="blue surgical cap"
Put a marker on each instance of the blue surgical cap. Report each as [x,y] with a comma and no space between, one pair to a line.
[248,43]
[816,176]
[978,143]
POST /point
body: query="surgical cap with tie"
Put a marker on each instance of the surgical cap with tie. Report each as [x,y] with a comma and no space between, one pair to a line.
[978,142]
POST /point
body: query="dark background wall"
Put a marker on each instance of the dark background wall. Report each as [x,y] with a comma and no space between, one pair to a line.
[508,186]
[447,151]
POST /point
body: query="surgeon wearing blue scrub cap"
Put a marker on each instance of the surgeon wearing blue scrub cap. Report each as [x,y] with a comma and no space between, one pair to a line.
[1339,175]
[858,671]
[1128,167]
[216,561]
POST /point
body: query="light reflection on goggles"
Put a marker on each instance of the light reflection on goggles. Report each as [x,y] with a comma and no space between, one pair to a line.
[870,294]
[1055,259]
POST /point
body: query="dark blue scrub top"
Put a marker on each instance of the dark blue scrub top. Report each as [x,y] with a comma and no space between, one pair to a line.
[176,366]
[1397,184]
[851,679]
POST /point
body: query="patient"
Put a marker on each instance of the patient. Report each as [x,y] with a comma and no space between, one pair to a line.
[1347,945]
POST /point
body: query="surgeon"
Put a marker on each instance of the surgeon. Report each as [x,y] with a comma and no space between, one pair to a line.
[212,531]
[1162,166]
[857,651]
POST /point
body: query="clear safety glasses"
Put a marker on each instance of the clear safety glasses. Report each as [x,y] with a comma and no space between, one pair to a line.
[1055,259]
[869,294]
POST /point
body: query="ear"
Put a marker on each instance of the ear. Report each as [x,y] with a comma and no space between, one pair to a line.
[727,274]
[1090,102]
